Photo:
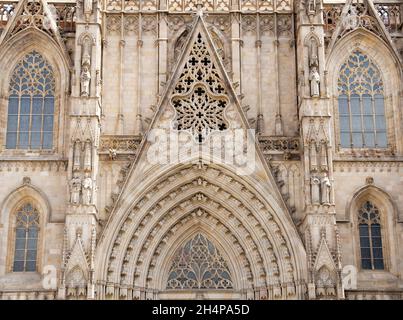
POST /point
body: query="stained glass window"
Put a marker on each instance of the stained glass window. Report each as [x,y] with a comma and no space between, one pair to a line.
[370,237]
[199,265]
[26,238]
[31,104]
[361,104]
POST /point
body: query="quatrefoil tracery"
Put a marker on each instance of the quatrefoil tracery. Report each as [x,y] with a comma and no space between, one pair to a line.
[199,97]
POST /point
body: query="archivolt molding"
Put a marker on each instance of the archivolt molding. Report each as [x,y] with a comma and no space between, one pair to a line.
[168,204]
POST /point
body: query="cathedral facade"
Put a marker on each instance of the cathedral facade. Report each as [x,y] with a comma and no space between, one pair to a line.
[201,149]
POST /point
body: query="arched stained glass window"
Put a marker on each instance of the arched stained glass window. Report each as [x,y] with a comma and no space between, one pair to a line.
[370,237]
[199,265]
[361,104]
[31,104]
[26,238]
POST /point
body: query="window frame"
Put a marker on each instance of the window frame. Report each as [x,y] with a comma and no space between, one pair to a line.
[12,237]
[31,96]
[347,96]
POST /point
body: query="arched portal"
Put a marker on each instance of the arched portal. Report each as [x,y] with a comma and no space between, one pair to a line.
[251,230]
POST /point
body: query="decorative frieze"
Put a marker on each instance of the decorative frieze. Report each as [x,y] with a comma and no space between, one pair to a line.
[121,144]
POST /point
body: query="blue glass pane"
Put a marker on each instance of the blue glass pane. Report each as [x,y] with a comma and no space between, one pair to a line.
[369,139]
[355,104]
[18,266]
[377,242]
[49,105]
[31,255]
[24,123]
[345,140]
[356,123]
[30,266]
[19,255]
[376,230]
[343,105]
[36,140]
[23,140]
[37,105]
[33,232]
[377,252]
[47,140]
[379,104]
[357,140]
[378,264]
[11,141]
[368,123]
[20,243]
[364,242]
[20,233]
[381,140]
[380,123]
[25,105]
[365,253]
[13,105]
[48,123]
[367,104]
[366,264]
[12,123]
[344,123]
[31,244]
[36,123]
[363,230]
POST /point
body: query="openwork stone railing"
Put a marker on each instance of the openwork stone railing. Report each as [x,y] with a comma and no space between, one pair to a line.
[119,144]
[65,14]
[208,5]
[276,145]
[390,14]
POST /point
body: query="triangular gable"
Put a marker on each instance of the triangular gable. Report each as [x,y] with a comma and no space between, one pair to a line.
[199,46]
[362,14]
[77,257]
[324,256]
[35,14]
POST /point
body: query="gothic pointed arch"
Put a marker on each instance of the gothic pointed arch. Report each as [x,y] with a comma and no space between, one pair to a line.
[14,51]
[372,207]
[24,213]
[198,264]
[242,208]
[382,57]
[361,16]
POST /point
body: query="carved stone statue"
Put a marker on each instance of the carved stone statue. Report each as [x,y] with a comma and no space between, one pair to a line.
[88,6]
[75,189]
[315,190]
[77,156]
[314,78]
[87,190]
[87,156]
[326,189]
[311,6]
[85,80]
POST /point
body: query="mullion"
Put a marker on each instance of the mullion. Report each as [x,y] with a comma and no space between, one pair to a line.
[350,119]
[30,122]
[362,122]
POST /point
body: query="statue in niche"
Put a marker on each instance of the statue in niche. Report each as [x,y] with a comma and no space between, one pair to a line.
[86,67]
[87,156]
[314,157]
[77,156]
[75,189]
[87,7]
[326,189]
[85,80]
[315,189]
[311,6]
[314,78]
[87,189]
